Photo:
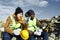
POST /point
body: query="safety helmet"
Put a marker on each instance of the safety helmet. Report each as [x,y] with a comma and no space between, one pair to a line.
[24,34]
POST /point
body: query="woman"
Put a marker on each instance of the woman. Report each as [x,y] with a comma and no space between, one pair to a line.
[14,24]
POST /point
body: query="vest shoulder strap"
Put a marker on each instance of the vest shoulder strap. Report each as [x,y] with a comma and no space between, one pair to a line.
[27,20]
[12,18]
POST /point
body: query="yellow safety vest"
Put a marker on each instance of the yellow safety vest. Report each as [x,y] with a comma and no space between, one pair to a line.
[13,24]
[32,24]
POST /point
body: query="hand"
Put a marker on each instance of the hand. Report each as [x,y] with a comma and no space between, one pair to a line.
[38,32]
[22,21]
[17,32]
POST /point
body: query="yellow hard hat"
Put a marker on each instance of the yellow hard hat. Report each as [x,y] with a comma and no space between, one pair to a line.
[24,34]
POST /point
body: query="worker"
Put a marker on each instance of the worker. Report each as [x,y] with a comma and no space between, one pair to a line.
[32,23]
[14,24]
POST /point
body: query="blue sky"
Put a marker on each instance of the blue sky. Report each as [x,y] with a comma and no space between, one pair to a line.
[42,8]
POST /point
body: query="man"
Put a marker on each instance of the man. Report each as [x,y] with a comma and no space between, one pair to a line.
[14,24]
[32,22]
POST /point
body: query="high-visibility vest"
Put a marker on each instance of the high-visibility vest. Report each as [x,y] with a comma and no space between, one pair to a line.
[13,24]
[32,24]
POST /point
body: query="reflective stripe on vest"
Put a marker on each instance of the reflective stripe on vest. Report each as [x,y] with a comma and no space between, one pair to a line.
[13,24]
[32,24]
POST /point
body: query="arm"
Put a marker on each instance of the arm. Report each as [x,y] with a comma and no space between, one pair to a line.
[7,28]
[38,23]
[23,22]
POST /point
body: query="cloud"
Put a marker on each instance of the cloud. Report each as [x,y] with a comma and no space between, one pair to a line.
[32,2]
[24,3]
[43,3]
[12,2]
[6,9]
[57,0]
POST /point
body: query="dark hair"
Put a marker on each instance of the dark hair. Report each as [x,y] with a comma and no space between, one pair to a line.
[18,10]
[30,12]
[27,14]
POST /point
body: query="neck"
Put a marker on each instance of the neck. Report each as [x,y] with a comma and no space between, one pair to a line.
[32,18]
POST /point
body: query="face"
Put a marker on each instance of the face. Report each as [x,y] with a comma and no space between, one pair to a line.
[26,15]
[19,16]
[32,16]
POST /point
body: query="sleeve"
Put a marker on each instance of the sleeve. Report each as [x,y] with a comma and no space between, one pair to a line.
[23,23]
[7,28]
[38,23]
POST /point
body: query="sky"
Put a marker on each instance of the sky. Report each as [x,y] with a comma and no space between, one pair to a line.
[42,8]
